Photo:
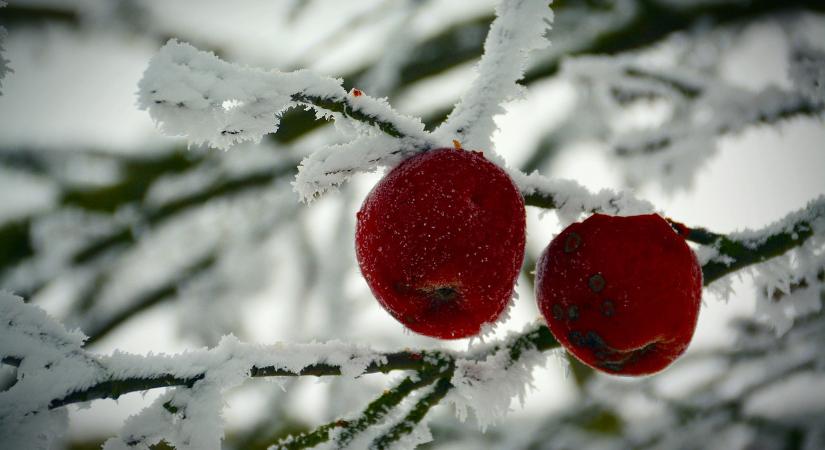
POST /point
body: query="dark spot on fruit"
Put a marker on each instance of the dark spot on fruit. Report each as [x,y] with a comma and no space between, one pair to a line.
[613,366]
[608,309]
[572,242]
[594,341]
[558,312]
[618,360]
[437,298]
[596,282]
[576,338]
[444,293]
[573,312]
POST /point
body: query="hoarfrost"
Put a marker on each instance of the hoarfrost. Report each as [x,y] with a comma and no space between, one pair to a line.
[487,386]
[807,71]
[53,366]
[788,286]
[519,28]
[195,94]
[699,108]
[571,199]
[4,63]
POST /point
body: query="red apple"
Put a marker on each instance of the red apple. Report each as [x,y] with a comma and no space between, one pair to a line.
[622,294]
[440,242]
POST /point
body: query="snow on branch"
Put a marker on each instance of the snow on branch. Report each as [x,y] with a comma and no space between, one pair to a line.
[33,342]
[4,63]
[329,167]
[738,250]
[195,94]
[701,108]
[345,431]
[54,370]
[807,71]
[732,111]
[570,199]
[519,28]
[786,259]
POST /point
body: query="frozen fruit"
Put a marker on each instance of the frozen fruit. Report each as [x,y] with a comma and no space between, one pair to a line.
[440,241]
[622,294]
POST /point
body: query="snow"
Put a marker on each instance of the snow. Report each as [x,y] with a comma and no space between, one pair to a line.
[572,199]
[807,71]
[698,109]
[485,388]
[4,63]
[788,286]
[521,25]
[29,335]
[53,364]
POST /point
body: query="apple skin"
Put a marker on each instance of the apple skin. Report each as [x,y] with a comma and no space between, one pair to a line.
[622,294]
[440,242]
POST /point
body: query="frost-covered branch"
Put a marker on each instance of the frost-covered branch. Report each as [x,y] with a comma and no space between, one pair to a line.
[634,24]
[700,108]
[116,377]
[807,70]
[47,355]
[414,417]
[153,215]
[731,114]
[571,199]
[195,94]
[750,390]
[519,28]
[733,252]
[344,431]
[4,63]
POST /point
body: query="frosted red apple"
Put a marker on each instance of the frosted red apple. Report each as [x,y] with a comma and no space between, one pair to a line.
[440,241]
[622,294]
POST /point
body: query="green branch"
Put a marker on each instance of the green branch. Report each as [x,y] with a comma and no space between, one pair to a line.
[800,107]
[538,337]
[738,253]
[99,329]
[372,414]
[115,387]
[415,416]
[345,107]
[155,215]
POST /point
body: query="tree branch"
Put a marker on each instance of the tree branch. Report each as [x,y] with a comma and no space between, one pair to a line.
[345,107]
[372,414]
[738,252]
[538,337]
[415,416]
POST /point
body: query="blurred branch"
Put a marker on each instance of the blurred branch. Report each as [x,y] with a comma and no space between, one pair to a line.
[656,19]
[154,215]
[99,329]
[414,417]
[138,174]
[17,14]
[768,107]
[371,415]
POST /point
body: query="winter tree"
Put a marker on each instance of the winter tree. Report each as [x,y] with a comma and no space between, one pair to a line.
[179,190]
